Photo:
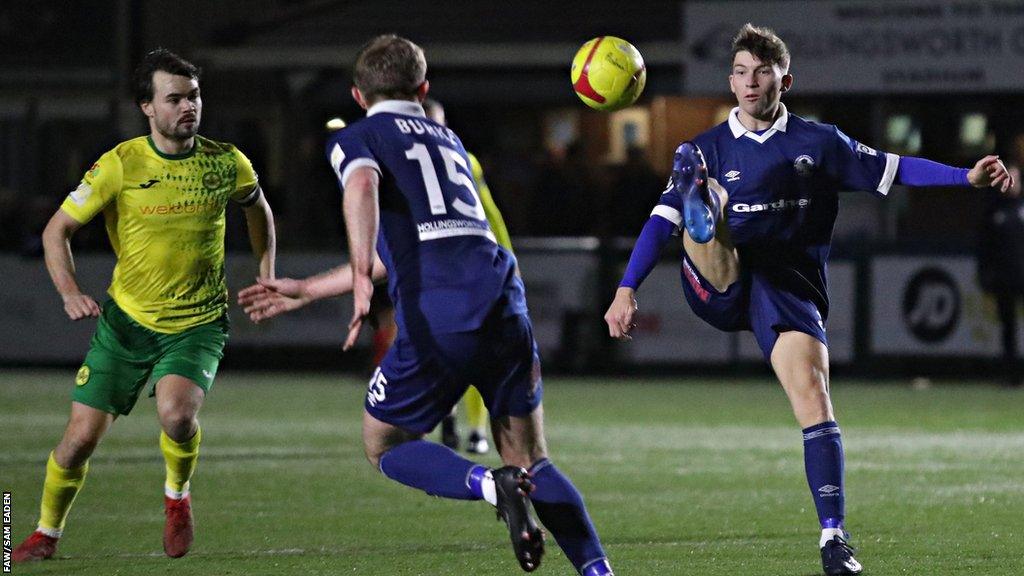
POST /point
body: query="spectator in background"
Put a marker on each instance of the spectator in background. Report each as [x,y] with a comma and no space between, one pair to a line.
[1001,259]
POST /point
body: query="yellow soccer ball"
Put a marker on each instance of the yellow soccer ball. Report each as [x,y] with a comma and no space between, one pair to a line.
[608,73]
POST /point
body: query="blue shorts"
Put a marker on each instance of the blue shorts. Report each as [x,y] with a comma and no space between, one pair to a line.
[764,301]
[422,377]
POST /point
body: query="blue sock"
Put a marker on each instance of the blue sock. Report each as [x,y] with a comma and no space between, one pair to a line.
[823,462]
[433,468]
[560,508]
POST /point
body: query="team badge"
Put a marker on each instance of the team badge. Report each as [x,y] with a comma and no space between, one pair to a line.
[212,180]
[804,165]
[81,194]
[82,378]
[863,149]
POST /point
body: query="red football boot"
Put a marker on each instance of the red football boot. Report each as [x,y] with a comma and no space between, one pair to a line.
[38,546]
[178,527]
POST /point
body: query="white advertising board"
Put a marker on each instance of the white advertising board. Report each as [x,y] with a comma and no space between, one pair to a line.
[867,46]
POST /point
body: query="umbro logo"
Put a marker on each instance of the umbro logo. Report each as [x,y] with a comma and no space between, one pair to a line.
[827,489]
[148,184]
[732,175]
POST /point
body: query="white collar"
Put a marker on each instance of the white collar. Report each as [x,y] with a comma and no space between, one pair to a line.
[406,107]
[738,129]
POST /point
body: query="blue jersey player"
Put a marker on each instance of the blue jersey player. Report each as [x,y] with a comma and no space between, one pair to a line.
[757,196]
[460,308]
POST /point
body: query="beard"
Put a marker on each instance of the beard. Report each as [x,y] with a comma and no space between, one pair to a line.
[178,132]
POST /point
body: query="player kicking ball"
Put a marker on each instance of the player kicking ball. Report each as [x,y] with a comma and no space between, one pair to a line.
[409,202]
[163,197]
[757,196]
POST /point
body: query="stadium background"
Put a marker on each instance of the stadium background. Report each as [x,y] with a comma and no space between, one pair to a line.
[937,79]
[681,440]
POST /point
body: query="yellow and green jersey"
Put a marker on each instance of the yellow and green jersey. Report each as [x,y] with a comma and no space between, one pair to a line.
[165,218]
[490,208]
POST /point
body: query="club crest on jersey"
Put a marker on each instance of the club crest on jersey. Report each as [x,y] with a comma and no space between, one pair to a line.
[804,165]
[83,376]
[863,149]
[212,180]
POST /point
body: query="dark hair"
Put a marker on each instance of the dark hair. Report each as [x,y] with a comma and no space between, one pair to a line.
[389,66]
[763,43]
[163,60]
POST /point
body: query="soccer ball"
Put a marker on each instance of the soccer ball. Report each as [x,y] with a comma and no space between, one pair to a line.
[608,73]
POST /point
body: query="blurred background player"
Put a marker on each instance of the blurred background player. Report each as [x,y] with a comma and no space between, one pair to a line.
[772,178]
[1001,260]
[410,203]
[163,197]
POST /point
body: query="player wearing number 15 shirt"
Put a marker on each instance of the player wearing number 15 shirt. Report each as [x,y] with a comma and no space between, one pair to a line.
[445,269]
[460,308]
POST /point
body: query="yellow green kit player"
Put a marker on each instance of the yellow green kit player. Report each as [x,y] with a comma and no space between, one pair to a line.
[163,199]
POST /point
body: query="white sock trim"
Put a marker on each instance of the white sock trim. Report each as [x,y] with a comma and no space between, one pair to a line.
[828,533]
[488,489]
[174,494]
[51,532]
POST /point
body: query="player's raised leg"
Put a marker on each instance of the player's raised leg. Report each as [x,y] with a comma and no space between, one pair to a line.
[801,363]
[65,474]
[559,505]
[178,400]
[707,245]
[701,207]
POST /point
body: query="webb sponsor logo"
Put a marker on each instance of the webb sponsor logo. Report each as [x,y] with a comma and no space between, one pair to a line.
[180,208]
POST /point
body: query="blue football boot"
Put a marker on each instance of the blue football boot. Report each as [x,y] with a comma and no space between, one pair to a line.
[690,181]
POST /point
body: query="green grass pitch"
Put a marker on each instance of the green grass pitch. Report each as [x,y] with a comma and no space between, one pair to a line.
[681,477]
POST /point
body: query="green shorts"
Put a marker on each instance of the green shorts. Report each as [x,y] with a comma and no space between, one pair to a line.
[124,355]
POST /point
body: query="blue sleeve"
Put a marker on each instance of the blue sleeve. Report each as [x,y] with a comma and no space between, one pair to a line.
[860,167]
[647,251]
[347,151]
[922,172]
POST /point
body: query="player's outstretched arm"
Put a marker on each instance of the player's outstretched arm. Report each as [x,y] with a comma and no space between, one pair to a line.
[259,219]
[990,172]
[61,266]
[987,172]
[272,297]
